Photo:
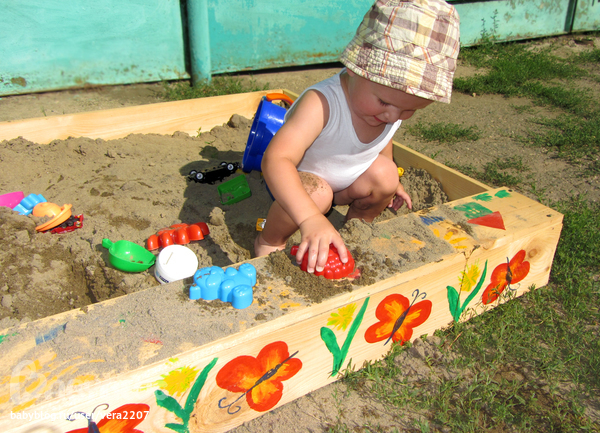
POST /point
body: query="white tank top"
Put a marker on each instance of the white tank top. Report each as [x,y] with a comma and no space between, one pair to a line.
[337,155]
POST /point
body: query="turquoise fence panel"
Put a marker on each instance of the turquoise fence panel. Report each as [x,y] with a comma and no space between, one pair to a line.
[57,44]
[258,34]
[508,20]
[54,44]
[586,16]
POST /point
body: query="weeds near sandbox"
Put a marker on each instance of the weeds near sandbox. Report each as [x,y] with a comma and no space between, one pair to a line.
[221,85]
[444,132]
[514,69]
[573,138]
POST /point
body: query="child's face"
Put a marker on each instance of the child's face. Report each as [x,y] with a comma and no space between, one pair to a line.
[377,104]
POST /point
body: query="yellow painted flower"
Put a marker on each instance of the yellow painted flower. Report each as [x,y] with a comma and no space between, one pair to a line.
[177,382]
[468,278]
[342,318]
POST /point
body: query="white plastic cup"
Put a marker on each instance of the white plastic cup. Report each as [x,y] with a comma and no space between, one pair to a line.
[174,263]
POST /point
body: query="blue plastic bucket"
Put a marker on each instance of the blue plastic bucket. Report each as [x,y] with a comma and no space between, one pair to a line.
[267,121]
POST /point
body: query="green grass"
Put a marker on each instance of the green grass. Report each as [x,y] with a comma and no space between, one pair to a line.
[221,85]
[587,57]
[574,138]
[514,69]
[444,132]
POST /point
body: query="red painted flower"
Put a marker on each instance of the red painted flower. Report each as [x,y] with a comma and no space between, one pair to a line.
[397,318]
[504,275]
[123,419]
[260,378]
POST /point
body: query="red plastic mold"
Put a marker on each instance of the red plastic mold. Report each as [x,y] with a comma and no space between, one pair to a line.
[179,234]
[73,223]
[334,268]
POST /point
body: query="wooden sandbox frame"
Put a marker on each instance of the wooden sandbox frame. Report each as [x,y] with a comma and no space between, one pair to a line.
[508,246]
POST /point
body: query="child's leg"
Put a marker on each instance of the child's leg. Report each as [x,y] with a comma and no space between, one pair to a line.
[279,226]
[372,192]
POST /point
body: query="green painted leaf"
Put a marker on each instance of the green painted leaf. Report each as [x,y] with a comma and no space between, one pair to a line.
[453,302]
[195,391]
[476,289]
[351,333]
[167,402]
[180,428]
[330,340]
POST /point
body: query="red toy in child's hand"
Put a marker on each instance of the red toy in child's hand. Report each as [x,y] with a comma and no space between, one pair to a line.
[334,268]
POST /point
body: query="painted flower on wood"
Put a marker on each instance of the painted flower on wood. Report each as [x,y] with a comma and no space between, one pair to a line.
[468,279]
[177,382]
[260,379]
[504,275]
[342,318]
[123,419]
[397,318]
[184,412]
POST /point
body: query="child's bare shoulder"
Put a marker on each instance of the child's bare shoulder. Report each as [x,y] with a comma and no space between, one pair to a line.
[311,104]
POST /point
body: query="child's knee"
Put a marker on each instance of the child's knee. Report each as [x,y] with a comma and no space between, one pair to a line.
[385,175]
[318,190]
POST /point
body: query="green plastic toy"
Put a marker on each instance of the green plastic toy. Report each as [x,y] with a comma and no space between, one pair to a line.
[234,190]
[127,256]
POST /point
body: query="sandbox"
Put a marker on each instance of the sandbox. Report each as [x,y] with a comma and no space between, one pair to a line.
[159,362]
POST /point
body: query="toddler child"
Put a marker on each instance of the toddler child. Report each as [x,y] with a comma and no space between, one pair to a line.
[335,147]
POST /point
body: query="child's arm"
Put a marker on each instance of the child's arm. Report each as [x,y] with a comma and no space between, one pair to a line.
[401,196]
[284,153]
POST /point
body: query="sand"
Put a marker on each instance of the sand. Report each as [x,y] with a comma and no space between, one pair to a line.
[129,189]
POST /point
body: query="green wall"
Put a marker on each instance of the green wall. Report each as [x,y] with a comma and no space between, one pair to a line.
[58,44]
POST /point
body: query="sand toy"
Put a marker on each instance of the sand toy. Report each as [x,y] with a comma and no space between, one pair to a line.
[229,285]
[127,256]
[11,199]
[267,121]
[234,190]
[25,207]
[334,268]
[57,214]
[174,263]
[180,234]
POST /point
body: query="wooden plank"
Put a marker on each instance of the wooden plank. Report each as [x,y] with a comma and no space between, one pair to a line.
[504,227]
[188,116]
[455,184]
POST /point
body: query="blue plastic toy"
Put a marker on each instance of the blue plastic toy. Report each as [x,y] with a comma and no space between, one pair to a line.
[229,285]
[267,121]
[28,203]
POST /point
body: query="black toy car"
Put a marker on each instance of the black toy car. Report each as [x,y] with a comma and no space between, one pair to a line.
[214,174]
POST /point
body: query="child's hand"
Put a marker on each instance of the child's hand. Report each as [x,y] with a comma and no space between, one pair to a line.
[400,198]
[317,233]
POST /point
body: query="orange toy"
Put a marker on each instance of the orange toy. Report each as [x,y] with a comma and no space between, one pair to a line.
[179,234]
[53,211]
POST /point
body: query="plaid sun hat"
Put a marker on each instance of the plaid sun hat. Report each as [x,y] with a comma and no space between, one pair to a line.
[410,45]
